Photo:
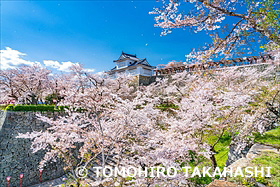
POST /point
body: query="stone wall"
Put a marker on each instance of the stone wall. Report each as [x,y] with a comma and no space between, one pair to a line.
[15,154]
[236,153]
[146,80]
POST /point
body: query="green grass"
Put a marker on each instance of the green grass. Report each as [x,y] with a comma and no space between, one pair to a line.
[200,162]
[165,107]
[221,149]
[266,159]
[2,107]
[201,180]
[270,159]
[271,137]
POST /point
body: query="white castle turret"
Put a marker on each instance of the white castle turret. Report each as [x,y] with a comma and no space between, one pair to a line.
[131,65]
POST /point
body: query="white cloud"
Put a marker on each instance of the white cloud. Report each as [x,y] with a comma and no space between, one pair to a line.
[52,64]
[66,65]
[12,58]
[100,73]
[63,66]
[89,70]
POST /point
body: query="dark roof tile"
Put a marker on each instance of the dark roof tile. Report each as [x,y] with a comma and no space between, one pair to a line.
[126,54]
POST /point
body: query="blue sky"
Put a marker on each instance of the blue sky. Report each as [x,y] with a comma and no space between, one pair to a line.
[93,33]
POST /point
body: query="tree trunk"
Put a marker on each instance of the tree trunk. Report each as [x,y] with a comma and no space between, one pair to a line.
[214,161]
[34,100]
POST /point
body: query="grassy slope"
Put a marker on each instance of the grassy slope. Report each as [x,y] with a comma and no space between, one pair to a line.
[272,160]
[221,149]
[271,137]
[267,159]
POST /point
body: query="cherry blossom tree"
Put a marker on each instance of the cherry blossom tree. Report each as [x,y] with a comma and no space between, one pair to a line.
[248,22]
[109,119]
[27,83]
[214,104]
[94,120]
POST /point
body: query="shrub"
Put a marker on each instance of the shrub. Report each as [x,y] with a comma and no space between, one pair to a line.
[9,107]
[35,108]
[165,107]
[2,107]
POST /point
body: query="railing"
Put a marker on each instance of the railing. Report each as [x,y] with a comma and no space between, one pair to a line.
[264,59]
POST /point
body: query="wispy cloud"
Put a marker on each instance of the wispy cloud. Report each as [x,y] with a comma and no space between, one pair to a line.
[12,58]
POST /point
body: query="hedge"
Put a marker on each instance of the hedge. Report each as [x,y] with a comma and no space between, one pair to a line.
[35,108]
[167,106]
[52,108]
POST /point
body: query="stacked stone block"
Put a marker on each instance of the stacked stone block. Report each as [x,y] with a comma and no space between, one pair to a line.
[16,156]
